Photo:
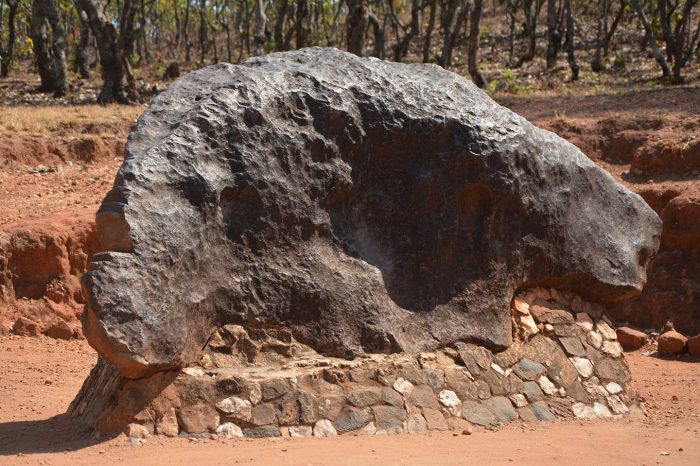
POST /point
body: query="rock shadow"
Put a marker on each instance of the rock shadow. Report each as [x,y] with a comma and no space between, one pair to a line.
[57,434]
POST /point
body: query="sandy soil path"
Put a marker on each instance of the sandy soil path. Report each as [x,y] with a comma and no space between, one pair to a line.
[39,377]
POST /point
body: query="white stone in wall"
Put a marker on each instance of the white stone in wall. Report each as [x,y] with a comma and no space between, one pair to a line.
[451,402]
[583,366]
[601,410]
[193,371]
[613,388]
[519,400]
[369,429]
[324,428]
[584,321]
[167,424]
[547,386]
[229,429]
[595,339]
[254,392]
[583,411]
[416,424]
[617,405]
[403,386]
[594,388]
[606,331]
[498,368]
[236,407]
[300,431]
[134,430]
[521,306]
[527,323]
[612,348]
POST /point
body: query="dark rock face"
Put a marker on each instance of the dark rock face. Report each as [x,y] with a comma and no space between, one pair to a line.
[366,205]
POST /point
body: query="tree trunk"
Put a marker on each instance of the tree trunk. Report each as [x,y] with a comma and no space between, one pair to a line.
[50,50]
[694,46]
[301,30]
[9,54]
[356,27]
[142,32]
[185,32]
[81,52]
[512,9]
[473,51]
[651,38]
[611,32]
[203,41]
[681,33]
[665,21]
[570,56]
[530,29]
[448,15]
[401,48]
[126,46]
[260,22]
[379,39]
[279,24]
[597,62]
[42,52]
[111,56]
[126,28]
[553,39]
[178,24]
[429,32]
[453,30]
[2,29]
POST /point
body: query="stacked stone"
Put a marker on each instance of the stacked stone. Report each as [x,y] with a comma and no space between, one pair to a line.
[565,362]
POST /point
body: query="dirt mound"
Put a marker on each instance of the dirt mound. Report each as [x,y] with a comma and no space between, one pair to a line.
[41,262]
[36,150]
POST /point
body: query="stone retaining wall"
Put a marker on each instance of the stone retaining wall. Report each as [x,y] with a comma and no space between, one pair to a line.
[565,362]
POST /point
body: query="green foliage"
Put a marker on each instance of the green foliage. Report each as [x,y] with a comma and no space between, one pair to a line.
[508,83]
[159,68]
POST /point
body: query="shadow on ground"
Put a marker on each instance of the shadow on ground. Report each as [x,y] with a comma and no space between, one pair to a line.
[53,435]
[685,357]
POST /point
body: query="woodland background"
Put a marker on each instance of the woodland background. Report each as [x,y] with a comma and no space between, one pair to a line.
[504,45]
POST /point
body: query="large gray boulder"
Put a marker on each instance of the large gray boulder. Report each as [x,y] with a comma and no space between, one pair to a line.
[368,206]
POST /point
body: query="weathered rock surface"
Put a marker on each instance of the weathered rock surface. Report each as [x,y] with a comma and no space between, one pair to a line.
[631,339]
[369,206]
[672,342]
[694,345]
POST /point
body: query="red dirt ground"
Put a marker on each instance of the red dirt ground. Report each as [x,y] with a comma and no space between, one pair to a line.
[41,376]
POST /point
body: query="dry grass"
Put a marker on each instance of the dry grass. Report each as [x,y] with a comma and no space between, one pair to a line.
[68,120]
